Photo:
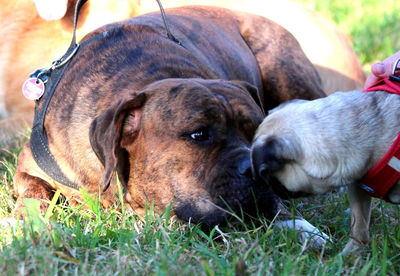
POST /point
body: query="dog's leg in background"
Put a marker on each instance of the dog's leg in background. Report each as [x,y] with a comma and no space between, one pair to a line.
[284,78]
[360,205]
[12,131]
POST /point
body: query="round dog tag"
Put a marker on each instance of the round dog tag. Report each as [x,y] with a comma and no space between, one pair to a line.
[33,88]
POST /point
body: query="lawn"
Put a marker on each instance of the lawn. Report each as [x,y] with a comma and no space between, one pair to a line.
[91,241]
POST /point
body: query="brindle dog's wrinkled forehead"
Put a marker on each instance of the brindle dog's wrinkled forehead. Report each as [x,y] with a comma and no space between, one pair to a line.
[192,104]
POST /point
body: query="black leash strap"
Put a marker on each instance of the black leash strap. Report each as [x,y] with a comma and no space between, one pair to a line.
[51,76]
[164,18]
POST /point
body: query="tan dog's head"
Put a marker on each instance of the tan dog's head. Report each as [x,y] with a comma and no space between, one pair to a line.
[294,149]
[184,142]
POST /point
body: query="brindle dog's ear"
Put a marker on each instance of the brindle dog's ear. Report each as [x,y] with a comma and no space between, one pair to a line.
[255,94]
[116,126]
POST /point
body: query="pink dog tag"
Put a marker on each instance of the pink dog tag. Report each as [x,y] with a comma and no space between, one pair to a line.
[33,88]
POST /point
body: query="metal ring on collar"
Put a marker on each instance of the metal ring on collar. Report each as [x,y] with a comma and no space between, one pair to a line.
[57,64]
[60,62]
[396,66]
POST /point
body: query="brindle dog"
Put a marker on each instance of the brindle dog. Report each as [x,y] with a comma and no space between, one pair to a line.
[174,120]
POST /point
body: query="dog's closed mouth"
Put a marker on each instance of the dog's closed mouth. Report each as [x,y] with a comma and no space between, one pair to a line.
[244,203]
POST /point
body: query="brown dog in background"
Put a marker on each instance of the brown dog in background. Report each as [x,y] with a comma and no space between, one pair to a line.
[30,42]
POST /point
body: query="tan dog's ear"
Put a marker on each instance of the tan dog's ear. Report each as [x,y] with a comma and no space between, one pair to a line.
[63,10]
[116,126]
[51,9]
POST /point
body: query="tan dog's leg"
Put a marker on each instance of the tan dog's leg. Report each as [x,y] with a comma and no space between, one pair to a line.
[360,205]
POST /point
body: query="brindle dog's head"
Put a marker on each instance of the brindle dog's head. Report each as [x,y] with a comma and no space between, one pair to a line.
[184,142]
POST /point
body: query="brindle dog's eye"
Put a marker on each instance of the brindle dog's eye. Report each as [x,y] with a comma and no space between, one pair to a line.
[200,135]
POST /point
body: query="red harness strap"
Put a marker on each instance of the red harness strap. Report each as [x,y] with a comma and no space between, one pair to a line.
[378,181]
[385,84]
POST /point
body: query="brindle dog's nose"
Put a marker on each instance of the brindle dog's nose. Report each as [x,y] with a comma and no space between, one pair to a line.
[244,167]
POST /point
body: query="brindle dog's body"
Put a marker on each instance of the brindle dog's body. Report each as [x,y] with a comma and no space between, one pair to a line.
[176,121]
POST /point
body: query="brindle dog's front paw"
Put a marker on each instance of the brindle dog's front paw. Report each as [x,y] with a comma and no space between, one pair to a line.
[353,247]
[307,233]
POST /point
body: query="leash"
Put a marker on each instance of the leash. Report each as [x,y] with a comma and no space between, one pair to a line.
[164,18]
[41,86]
[378,181]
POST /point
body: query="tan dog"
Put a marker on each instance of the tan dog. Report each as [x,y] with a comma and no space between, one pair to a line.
[312,147]
[174,121]
[31,42]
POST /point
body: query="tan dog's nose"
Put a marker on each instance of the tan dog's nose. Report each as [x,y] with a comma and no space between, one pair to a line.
[266,159]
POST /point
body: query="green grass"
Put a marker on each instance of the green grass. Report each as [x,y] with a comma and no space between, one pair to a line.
[92,241]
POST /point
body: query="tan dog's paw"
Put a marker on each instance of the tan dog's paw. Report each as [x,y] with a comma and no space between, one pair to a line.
[307,233]
[353,247]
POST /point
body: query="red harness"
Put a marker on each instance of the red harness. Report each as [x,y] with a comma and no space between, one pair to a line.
[378,181]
